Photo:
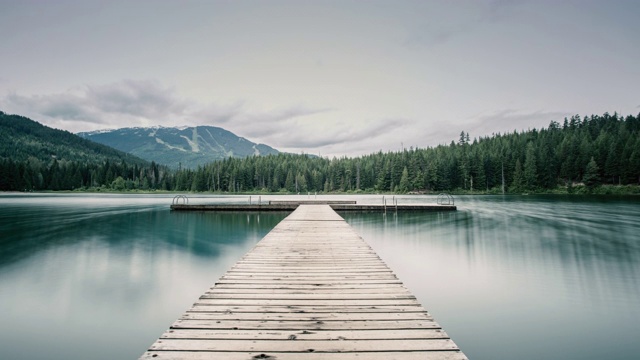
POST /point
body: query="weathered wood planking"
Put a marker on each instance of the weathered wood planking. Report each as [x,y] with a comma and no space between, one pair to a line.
[310,355]
[311,289]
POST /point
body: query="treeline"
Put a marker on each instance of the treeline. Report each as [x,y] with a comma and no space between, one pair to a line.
[592,150]
[34,175]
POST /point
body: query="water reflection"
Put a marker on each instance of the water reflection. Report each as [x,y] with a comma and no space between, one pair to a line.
[527,271]
[77,278]
[508,277]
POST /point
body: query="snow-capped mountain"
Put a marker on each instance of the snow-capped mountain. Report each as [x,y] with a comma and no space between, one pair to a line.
[187,147]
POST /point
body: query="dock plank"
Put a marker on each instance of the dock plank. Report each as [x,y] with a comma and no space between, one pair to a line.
[310,289]
[304,324]
[305,308]
[346,316]
[386,334]
[312,302]
[313,290]
[248,355]
[304,346]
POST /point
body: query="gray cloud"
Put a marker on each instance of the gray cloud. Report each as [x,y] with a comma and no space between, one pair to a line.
[297,128]
[276,122]
[347,134]
[497,10]
[132,103]
[126,103]
[448,24]
[146,103]
[508,120]
[61,106]
[139,98]
[215,114]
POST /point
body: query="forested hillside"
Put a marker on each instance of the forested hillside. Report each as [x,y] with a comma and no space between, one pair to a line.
[592,150]
[36,157]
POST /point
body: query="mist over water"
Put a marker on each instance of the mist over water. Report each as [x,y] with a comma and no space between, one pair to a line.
[531,277]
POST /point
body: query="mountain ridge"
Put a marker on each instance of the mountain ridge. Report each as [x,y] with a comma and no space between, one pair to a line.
[35,157]
[176,147]
[22,138]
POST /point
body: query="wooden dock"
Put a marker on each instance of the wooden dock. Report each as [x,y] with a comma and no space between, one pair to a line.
[310,289]
[292,205]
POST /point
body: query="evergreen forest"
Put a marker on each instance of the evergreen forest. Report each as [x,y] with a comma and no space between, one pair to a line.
[581,153]
[587,151]
[34,157]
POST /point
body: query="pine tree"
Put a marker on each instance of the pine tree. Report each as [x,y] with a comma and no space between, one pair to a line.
[403,187]
[591,178]
[518,178]
[530,169]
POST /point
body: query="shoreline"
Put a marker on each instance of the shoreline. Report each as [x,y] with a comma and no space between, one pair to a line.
[603,190]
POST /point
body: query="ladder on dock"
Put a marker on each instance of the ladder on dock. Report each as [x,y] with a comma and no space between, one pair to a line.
[311,289]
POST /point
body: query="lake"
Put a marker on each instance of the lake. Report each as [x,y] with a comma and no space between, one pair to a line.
[101,276]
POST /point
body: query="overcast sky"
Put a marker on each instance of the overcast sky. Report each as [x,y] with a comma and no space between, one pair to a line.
[321,77]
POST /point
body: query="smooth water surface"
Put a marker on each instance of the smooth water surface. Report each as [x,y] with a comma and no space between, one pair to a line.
[102,276]
[522,277]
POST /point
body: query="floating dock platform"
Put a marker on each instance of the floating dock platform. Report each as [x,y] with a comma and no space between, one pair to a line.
[312,289]
[292,205]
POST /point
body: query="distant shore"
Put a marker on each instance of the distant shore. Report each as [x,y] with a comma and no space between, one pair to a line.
[560,190]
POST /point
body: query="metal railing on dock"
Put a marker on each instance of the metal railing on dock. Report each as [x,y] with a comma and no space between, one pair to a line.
[180,198]
[445,199]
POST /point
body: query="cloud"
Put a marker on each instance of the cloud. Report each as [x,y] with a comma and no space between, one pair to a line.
[273,122]
[126,103]
[129,103]
[146,99]
[132,103]
[304,128]
[509,120]
[216,114]
[344,133]
[61,106]
[448,20]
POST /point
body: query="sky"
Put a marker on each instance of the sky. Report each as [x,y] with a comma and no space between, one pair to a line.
[330,78]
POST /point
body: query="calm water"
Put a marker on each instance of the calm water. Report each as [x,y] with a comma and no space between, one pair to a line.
[102,276]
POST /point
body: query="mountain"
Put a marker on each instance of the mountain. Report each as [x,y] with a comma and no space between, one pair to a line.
[185,146]
[34,157]
[23,139]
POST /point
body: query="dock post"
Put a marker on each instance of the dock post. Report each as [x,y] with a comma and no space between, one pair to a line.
[249,200]
[259,200]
